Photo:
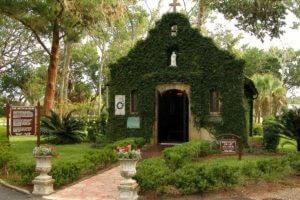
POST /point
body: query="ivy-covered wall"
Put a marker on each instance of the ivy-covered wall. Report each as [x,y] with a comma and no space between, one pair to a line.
[201,65]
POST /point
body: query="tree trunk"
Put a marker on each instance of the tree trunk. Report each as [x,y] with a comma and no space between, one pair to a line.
[65,78]
[202,7]
[258,116]
[100,86]
[52,71]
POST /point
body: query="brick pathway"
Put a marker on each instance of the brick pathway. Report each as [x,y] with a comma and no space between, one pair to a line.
[100,187]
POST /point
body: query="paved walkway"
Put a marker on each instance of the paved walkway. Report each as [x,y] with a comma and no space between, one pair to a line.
[100,187]
[10,194]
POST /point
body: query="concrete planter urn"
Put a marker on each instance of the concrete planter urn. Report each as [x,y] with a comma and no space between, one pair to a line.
[128,187]
[43,184]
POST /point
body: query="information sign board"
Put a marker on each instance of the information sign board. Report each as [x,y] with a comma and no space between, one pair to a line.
[22,121]
[228,146]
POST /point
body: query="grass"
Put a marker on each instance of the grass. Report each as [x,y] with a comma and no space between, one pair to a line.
[23,146]
[255,138]
[3,137]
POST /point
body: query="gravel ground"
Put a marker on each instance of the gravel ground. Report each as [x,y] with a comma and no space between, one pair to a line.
[285,194]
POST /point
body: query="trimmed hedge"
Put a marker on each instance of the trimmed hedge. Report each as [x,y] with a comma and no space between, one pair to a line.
[155,171]
[197,177]
[63,172]
[177,156]
[135,142]
[153,174]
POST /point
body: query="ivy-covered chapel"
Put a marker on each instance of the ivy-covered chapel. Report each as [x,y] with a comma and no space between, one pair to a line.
[177,85]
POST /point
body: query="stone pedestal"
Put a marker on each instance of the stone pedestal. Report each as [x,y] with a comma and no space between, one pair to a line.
[43,184]
[43,187]
[128,192]
[128,188]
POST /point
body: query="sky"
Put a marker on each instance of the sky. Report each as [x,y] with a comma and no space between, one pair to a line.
[289,39]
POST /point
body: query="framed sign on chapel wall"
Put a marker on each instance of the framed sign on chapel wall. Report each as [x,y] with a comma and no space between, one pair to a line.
[120,105]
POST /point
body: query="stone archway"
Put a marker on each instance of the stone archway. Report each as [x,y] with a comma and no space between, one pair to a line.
[193,133]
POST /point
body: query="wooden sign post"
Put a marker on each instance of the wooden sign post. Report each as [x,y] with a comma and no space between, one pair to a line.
[38,124]
[23,121]
[7,119]
[231,144]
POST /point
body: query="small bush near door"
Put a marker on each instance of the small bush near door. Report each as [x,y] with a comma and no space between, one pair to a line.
[152,173]
[177,156]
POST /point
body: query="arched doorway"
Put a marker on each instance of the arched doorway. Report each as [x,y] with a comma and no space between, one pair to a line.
[173,113]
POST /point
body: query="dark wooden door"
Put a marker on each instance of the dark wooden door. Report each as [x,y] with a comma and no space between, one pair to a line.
[173,116]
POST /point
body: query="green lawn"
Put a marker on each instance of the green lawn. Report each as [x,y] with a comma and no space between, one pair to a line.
[23,146]
[3,137]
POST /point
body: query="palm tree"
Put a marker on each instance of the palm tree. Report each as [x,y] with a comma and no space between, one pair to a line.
[291,121]
[271,95]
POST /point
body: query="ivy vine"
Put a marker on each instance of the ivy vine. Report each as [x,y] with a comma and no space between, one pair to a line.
[200,64]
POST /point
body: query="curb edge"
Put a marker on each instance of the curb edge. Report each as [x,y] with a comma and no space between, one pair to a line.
[2,182]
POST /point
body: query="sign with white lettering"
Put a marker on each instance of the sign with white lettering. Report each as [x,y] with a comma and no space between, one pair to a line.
[22,121]
[228,146]
[120,105]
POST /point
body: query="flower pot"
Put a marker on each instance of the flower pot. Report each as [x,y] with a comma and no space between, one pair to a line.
[43,184]
[128,167]
[43,166]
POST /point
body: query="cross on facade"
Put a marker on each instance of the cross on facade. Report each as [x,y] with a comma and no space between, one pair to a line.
[174,5]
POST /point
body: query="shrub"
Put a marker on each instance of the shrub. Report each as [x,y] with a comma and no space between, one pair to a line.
[23,173]
[249,170]
[67,172]
[198,177]
[135,142]
[177,156]
[271,130]
[97,128]
[67,130]
[294,160]
[101,158]
[257,129]
[273,168]
[291,122]
[152,173]
[6,155]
